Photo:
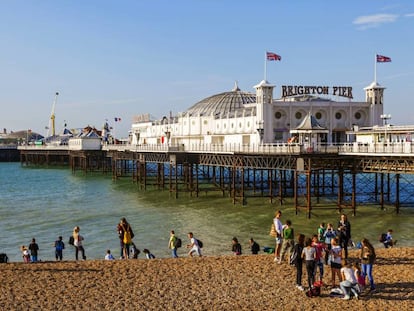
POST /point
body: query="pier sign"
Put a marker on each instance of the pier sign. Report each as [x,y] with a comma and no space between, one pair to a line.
[293,90]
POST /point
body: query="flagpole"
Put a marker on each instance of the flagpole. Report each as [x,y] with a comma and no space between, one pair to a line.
[375,68]
[265,65]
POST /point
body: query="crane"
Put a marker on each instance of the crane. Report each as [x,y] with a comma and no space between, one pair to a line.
[52,115]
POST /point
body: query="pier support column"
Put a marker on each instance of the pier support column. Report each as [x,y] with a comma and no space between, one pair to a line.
[397,193]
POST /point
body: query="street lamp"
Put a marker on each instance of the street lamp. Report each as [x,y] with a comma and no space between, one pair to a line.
[385,118]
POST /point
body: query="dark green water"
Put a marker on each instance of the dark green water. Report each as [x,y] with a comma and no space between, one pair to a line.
[45,203]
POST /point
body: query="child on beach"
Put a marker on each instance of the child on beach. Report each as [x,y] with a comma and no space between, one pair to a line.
[108,255]
[388,239]
[319,258]
[148,254]
[59,247]
[321,231]
[254,246]
[25,254]
[193,246]
[358,275]
[34,248]
[236,247]
[328,236]
[336,260]
[134,251]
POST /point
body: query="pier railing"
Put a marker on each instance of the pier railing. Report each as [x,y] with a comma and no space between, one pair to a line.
[376,149]
[281,148]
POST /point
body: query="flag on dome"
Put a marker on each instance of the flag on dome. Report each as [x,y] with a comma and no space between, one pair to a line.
[273,56]
[383,59]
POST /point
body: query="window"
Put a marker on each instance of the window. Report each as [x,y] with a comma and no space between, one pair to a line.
[358,115]
[318,115]
[298,115]
[278,115]
[338,115]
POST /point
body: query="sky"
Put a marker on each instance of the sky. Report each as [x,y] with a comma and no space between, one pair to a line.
[117,59]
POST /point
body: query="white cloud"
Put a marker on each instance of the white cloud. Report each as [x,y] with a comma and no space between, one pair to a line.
[371,21]
[409,15]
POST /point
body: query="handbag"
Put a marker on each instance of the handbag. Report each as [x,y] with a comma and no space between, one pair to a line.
[273,232]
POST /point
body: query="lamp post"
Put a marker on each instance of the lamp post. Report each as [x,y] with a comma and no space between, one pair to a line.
[385,118]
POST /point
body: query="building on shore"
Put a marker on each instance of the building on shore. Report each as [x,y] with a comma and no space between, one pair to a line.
[302,114]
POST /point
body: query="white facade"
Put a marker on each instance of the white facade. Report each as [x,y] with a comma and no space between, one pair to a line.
[241,118]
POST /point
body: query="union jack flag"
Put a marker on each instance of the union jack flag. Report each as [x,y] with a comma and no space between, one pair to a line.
[383,59]
[273,56]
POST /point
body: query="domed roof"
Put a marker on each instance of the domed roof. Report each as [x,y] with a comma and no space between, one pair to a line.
[223,103]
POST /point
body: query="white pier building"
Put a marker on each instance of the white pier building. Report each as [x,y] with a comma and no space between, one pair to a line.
[308,114]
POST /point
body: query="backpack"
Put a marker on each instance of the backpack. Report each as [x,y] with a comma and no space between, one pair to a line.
[200,244]
[382,237]
[313,292]
[59,245]
[177,243]
[294,257]
[71,240]
[127,237]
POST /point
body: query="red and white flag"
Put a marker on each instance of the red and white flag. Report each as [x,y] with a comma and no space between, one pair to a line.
[383,59]
[273,56]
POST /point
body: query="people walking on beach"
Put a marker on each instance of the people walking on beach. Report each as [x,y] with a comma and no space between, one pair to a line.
[126,235]
[344,229]
[108,255]
[288,240]
[319,258]
[309,254]
[236,246]
[328,236]
[349,283]
[254,246]
[148,254]
[336,260]
[297,260]
[59,247]
[278,227]
[34,249]
[77,242]
[193,245]
[172,244]
[367,256]
[25,253]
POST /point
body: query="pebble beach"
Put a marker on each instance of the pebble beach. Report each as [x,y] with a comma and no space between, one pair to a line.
[247,282]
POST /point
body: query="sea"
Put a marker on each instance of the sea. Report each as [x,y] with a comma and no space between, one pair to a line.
[44,203]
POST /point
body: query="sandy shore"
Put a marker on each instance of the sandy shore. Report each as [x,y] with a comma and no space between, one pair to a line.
[207,283]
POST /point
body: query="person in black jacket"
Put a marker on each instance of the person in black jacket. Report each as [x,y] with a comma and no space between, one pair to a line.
[254,246]
[296,260]
[344,230]
[236,248]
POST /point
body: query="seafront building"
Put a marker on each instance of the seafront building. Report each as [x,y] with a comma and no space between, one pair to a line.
[302,114]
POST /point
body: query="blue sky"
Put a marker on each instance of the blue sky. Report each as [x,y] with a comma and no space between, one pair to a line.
[121,58]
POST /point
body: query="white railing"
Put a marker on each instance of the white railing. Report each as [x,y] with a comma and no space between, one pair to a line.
[394,148]
[43,147]
[379,149]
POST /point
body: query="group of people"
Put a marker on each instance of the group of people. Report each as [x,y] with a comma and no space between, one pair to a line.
[327,247]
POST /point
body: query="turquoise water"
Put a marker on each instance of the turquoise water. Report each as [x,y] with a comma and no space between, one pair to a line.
[46,203]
